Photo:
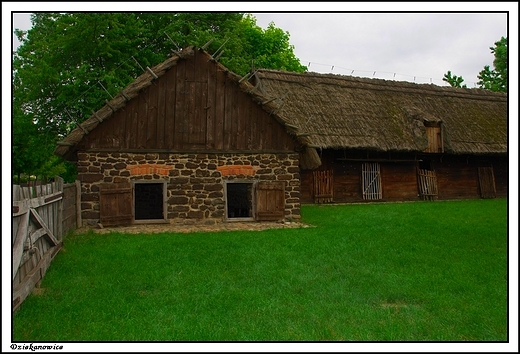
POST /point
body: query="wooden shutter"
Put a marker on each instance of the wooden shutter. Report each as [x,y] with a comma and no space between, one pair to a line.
[427,181]
[371,179]
[115,201]
[487,182]
[323,187]
[270,201]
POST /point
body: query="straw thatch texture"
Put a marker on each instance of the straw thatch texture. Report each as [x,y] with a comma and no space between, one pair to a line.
[334,111]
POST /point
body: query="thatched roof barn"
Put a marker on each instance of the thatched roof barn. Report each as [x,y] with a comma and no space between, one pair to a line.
[338,112]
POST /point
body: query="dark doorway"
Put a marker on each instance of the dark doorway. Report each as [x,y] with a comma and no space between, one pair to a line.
[149,203]
[239,200]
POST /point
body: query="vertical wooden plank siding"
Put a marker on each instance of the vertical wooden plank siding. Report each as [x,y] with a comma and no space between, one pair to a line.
[170,108]
[142,119]
[180,110]
[220,108]
[371,179]
[487,182]
[323,186]
[151,113]
[210,106]
[434,139]
[161,110]
[132,122]
[270,199]
[194,106]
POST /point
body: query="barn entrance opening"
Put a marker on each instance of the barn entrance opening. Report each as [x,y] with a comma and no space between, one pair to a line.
[149,201]
[239,201]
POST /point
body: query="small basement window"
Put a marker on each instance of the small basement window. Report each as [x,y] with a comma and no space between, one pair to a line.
[239,200]
[149,201]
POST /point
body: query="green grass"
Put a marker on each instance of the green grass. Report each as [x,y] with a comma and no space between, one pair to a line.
[424,271]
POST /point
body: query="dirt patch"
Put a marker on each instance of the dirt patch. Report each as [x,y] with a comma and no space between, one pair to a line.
[224,226]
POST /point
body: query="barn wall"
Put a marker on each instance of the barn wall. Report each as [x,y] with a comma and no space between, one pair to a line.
[501,170]
[195,182]
[457,176]
[194,106]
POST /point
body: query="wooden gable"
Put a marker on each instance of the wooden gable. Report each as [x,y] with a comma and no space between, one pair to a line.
[194,106]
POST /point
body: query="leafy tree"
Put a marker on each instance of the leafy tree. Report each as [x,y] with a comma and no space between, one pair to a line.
[494,80]
[69,63]
[455,81]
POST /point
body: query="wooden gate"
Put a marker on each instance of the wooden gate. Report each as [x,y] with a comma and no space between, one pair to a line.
[371,180]
[486,180]
[37,235]
[427,181]
[270,201]
[115,204]
[323,187]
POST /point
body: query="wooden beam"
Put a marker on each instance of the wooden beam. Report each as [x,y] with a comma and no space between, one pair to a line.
[375,160]
[151,72]
[97,117]
[19,241]
[50,236]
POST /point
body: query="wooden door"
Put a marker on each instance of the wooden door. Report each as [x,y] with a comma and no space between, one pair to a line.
[427,183]
[323,187]
[115,201]
[270,201]
[371,180]
[487,182]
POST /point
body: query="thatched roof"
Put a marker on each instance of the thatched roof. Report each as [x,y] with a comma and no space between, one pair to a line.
[338,112]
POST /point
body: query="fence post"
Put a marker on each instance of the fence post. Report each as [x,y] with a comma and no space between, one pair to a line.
[78,204]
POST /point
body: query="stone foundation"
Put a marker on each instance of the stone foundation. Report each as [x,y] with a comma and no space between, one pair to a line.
[195,182]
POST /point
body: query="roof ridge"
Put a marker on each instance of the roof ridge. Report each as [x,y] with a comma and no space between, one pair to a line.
[394,85]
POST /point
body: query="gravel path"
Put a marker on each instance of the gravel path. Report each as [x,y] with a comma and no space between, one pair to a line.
[224,226]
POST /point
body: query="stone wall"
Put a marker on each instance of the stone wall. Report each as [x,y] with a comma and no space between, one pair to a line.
[195,182]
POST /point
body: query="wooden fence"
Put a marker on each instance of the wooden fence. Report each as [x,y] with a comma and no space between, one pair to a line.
[42,215]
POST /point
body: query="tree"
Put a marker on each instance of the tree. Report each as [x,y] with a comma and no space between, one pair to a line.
[68,64]
[494,80]
[455,81]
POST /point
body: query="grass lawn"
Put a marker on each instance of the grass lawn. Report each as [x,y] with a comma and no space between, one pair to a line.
[423,271]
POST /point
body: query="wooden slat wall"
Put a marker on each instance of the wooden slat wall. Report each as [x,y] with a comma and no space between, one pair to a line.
[487,182]
[323,186]
[194,106]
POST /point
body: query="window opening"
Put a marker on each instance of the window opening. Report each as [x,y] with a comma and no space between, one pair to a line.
[425,165]
[149,201]
[239,200]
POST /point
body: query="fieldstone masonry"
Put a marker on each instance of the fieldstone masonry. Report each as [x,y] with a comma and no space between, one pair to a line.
[195,182]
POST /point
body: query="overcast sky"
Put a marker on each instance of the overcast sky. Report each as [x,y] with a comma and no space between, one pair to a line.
[418,46]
